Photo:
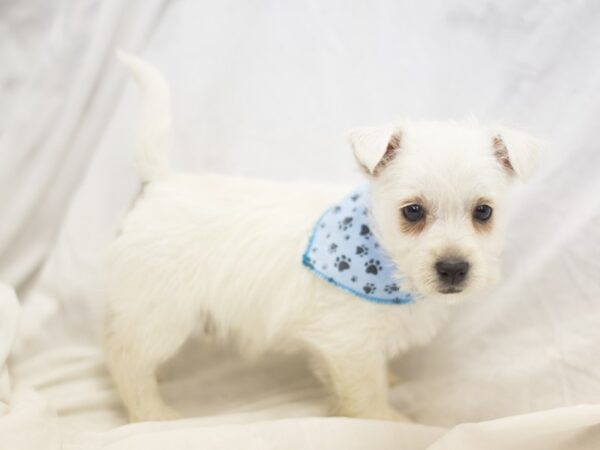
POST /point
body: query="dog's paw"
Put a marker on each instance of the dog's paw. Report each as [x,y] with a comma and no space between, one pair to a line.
[155,414]
[395,416]
[384,413]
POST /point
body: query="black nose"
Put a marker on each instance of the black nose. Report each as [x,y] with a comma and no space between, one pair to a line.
[452,272]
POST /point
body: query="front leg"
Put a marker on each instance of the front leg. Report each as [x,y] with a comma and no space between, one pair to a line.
[359,383]
[393,378]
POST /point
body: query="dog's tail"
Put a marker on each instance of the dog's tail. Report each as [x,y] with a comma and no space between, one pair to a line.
[154,132]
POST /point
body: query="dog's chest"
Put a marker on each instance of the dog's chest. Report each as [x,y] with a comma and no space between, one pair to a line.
[413,324]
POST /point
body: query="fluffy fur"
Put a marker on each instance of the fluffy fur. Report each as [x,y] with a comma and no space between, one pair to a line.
[224,251]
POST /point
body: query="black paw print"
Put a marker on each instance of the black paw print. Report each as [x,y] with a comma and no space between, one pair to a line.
[354,278]
[369,288]
[365,231]
[342,263]
[391,288]
[337,209]
[373,266]
[332,248]
[355,197]
[345,223]
[362,250]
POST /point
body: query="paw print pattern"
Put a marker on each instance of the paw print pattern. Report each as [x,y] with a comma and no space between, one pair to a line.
[343,249]
[373,266]
[345,223]
[391,288]
[362,250]
[342,263]
[365,231]
[369,288]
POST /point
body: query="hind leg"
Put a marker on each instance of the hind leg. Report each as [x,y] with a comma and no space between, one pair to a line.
[136,343]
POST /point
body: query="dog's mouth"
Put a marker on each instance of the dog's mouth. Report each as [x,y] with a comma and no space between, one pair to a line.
[450,290]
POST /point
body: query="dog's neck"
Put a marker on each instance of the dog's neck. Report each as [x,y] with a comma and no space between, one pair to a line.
[343,251]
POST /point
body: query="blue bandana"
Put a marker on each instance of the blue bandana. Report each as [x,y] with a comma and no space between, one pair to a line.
[343,251]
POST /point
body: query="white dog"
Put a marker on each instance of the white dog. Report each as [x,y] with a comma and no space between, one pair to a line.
[225,253]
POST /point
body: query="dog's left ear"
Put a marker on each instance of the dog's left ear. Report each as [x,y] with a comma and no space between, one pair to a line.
[518,152]
[375,147]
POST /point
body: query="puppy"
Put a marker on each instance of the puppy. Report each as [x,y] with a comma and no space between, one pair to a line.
[228,251]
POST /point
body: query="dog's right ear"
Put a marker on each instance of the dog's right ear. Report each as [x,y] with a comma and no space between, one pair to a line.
[517,152]
[375,147]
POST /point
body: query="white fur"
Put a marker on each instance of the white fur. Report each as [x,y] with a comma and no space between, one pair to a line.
[223,253]
[152,147]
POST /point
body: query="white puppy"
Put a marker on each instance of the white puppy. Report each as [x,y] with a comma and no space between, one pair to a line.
[207,249]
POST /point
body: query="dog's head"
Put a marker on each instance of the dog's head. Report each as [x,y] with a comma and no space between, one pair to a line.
[438,198]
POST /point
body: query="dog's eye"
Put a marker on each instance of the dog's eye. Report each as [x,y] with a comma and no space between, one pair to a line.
[413,213]
[482,212]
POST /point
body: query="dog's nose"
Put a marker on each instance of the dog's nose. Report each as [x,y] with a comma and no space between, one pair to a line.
[452,272]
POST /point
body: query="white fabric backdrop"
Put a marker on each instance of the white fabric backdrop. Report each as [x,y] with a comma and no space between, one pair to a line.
[268,89]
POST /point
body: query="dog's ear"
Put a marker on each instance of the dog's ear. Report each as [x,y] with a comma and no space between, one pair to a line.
[375,147]
[518,152]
